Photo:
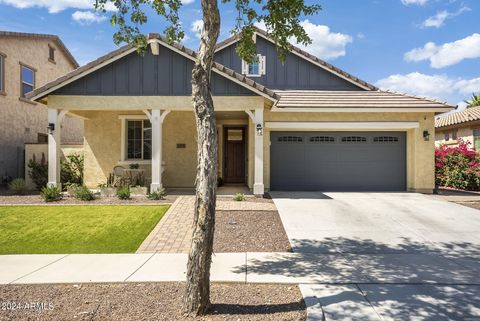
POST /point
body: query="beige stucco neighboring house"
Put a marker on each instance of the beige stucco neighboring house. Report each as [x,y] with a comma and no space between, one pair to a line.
[29,61]
[299,125]
[464,125]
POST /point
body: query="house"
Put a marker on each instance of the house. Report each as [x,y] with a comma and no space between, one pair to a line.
[301,125]
[463,125]
[28,61]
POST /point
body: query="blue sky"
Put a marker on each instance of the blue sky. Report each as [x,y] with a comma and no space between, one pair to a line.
[424,47]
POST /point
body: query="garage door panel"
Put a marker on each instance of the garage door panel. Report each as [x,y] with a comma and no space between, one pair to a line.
[338,161]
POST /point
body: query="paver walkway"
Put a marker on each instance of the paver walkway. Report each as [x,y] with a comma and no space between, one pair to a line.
[173,234]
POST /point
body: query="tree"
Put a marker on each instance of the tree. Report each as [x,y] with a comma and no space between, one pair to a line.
[282,19]
[474,101]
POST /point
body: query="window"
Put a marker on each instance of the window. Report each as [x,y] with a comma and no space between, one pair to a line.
[42,138]
[2,73]
[476,139]
[451,135]
[27,75]
[139,139]
[290,139]
[51,53]
[385,139]
[354,139]
[322,139]
[256,68]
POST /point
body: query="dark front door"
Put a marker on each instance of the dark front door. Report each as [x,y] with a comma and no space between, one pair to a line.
[234,155]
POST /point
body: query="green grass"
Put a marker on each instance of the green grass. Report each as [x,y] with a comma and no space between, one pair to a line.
[76,229]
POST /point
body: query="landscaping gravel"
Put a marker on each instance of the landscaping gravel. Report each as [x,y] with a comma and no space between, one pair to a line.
[250,231]
[150,301]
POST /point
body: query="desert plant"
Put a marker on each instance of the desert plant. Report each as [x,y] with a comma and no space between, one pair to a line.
[72,169]
[457,167]
[474,101]
[123,192]
[84,194]
[51,193]
[239,197]
[38,171]
[158,194]
[17,186]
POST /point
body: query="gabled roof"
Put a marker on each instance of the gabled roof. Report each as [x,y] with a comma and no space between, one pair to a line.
[307,56]
[461,117]
[127,49]
[55,38]
[354,99]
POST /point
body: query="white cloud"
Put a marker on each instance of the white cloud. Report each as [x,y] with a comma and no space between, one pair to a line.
[55,6]
[87,17]
[196,27]
[435,86]
[416,2]
[187,1]
[448,54]
[325,43]
[438,20]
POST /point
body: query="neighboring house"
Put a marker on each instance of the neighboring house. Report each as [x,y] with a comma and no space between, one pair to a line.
[301,125]
[463,125]
[28,61]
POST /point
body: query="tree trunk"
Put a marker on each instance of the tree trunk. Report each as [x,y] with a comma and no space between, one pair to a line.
[197,296]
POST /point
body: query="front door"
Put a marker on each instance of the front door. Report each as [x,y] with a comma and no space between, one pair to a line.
[234,155]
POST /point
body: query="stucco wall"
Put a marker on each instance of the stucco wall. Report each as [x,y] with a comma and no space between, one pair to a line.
[40,150]
[465,133]
[420,160]
[20,121]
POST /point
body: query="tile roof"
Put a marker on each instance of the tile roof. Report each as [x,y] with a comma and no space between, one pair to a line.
[460,117]
[42,36]
[219,67]
[353,99]
[306,55]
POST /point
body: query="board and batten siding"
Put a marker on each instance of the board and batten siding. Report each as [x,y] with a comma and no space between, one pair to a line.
[168,74]
[295,74]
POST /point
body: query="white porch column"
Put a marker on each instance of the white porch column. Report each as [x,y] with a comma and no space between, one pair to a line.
[156,119]
[54,140]
[258,186]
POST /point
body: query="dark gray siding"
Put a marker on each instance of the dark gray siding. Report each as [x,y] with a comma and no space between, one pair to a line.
[168,74]
[296,73]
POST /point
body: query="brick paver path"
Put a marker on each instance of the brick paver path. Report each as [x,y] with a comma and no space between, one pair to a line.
[173,234]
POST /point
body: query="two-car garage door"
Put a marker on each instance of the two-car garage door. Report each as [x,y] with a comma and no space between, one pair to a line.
[338,161]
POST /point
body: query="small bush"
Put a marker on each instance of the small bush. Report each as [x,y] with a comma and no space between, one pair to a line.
[71,169]
[38,171]
[17,186]
[51,194]
[123,193]
[157,195]
[84,194]
[239,197]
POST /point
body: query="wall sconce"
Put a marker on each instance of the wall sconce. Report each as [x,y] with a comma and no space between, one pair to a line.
[426,135]
[50,128]
[259,130]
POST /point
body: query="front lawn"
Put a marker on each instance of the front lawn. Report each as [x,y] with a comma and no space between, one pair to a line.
[76,229]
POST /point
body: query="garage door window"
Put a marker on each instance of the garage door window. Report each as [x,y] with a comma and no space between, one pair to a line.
[354,139]
[290,139]
[322,139]
[385,139]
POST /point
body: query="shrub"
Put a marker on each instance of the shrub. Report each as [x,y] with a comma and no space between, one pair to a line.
[239,197]
[17,186]
[457,167]
[38,171]
[83,193]
[159,194]
[71,170]
[51,193]
[123,192]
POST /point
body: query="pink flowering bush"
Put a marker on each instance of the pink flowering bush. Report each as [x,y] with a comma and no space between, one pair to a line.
[457,167]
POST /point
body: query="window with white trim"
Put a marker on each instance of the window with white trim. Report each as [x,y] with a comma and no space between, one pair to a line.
[27,76]
[139,140]
[256,68]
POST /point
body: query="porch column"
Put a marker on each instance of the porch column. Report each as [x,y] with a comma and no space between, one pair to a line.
[54,140]
[156,119]
[258,186]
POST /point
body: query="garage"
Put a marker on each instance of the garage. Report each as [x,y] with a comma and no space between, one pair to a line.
[338,161]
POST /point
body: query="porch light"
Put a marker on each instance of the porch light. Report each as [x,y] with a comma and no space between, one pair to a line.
[426,135]
[50,128]
[259,130]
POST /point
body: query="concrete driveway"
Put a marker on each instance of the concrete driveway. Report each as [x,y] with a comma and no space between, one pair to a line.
[420,255]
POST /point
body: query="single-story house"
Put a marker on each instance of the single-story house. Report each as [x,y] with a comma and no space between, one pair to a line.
[299,125]
[464,125]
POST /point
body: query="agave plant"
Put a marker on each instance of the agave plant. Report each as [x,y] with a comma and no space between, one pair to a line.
[474,101]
